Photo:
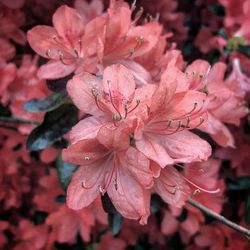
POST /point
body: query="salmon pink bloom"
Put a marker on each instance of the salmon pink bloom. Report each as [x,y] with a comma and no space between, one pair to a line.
[164,137]
[70,44]
[172,187]
[111,167]
[113,98]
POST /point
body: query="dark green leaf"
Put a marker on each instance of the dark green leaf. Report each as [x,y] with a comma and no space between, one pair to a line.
[217,9]
[247,210]
[242,183]
[107,204]
[47,104]
[245,50]
[59,85]
[115,223]
[56,123]
[64,171]
[60,199]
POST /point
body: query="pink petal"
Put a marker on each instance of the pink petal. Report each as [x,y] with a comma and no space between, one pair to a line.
[130,199]
[84,152]
[85,129]
[166,89]
[113,137]
[119,84]
[68,23]
[172,187]
[186,147]
[92,177]
[150,147]
[80,90]
[138,165]
[219,132]
[41,40]
[55,69]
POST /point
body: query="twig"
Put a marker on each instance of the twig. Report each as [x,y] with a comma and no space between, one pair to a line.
[16,120]
[220,218]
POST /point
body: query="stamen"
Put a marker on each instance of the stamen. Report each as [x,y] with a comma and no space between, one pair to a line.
[112,101]
[188,120]
[61,57]
[200,188]
[48,53]
[137,104]
[115,184]
[131,52]
[87,158]
[139,40]
[196,191]
[76,52]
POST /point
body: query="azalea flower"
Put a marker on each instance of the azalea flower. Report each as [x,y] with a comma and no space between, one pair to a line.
[70,44]
[164,137]
[115,168]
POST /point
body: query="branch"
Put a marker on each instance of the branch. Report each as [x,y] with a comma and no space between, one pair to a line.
[17,120]
[220,218]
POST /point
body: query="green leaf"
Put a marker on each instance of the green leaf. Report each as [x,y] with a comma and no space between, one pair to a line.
[247,210]
[56,123]
[242,183]
[245,50]
[47,104]
[217,9]
[115,223]
[59,85]
[65,171]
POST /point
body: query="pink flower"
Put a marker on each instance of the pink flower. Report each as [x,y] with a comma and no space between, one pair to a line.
[70,44]
[113,98]
[164,137]
[115,168]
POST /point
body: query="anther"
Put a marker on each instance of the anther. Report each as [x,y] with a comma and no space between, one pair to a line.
[48,53]
[131,52]
[102,190]
[139,40]
[188,120]
[196,191]
[115,184]
[174,190]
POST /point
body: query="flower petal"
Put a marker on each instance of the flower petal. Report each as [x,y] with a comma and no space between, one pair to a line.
[84,152]
[130,199]
[172,187]
[153,150]
[55,70]
[68,23]
[91,177]
[185,147]
[119,85]
[138,166]
[41,40]
[80,90]
[85,129]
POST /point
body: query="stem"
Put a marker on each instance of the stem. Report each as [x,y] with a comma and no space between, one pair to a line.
[17,120]
[220,218]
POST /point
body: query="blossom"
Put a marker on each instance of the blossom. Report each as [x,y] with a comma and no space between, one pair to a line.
[70,44]
[115,168]
[164,137]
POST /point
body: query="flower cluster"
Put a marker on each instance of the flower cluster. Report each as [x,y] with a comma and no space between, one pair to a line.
[119,120]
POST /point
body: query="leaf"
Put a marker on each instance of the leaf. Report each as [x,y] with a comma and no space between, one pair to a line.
[115,223]
[247,210]
[241,183]
[56,123]
[59,85]
[60,199]
[245,50]
[47,104]
[107,204]
[65,171]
